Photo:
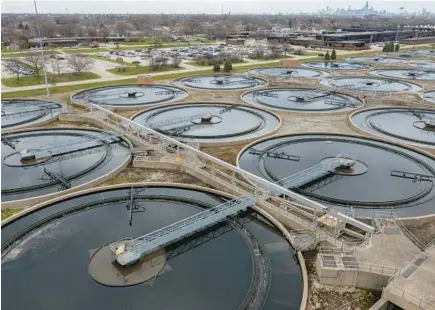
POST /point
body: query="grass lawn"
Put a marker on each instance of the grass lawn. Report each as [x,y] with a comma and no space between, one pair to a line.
[278,58]
[164,45]
[140,70]
[125,63]
[9,212]
[85,50]
[194,63]
[413,47]
[35,80]
[8,55]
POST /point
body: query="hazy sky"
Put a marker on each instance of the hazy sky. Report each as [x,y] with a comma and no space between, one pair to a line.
[203,6]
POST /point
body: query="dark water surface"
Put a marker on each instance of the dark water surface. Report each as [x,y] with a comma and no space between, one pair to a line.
[51,263]
[118,95]
[239,122]
[219,82]
[19,182]
[17,113]
[375,189]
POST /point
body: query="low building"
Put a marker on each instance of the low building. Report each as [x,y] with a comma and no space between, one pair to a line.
[237,38]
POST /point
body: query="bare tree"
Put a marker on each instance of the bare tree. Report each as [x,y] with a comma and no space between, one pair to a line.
[56,65]
[275,51]
[104,32]
[13,66]
[122,28]
[286,48]
[35,61]
[92,31]
[79,62]
[176,62]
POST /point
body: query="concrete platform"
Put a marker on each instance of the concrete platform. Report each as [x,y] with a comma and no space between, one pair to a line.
[414,288]
[390,248]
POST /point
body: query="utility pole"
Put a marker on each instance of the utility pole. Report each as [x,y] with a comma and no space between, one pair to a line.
[42,49]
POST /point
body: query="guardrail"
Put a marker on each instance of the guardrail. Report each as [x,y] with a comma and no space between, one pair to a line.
[360,266]
[262,188]
[412,298]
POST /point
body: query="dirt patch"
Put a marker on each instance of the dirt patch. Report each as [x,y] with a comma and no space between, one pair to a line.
[131,175]
[128,113]
[424,232]
[328,297]
[9,212]
[225,153]
[58,123]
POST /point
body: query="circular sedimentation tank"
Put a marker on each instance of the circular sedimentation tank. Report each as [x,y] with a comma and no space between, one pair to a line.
[374,182]
[423,65]
[302,100]
[419,54]
[243,262]
[219,82]
[339,65]
[413,126]
[288,72]
[371,84]
[376,60]
[42,162]
[130,96]
[19,113]
[405,74]
[429,96]
[209,122]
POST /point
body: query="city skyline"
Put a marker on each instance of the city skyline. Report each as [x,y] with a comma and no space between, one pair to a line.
[206,6]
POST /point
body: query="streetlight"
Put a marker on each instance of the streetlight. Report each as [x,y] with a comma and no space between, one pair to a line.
[42,49]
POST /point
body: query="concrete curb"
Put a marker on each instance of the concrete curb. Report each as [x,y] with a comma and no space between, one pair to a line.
[277,224]
[429,149]
[79,103]
[229,143]
[304,113]
[358,135]
[38,124]
[90,184]
[219,90]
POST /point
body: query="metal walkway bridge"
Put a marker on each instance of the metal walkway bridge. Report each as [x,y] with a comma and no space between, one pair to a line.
[83,142]
[316,172]
[235,179]
[127,251]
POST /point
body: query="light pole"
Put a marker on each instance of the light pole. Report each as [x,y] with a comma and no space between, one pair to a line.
[42,49]
[397,34]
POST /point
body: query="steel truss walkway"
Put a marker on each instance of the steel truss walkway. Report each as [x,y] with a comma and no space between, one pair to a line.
[280,155]
[128,251]
[236,179]
[50,149]
[316,172]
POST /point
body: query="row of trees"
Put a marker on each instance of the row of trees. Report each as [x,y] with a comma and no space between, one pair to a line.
[333,55]
[207,59]
[391,47]
[77,62]
[228,67]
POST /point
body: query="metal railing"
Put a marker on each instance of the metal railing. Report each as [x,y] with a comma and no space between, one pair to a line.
[360,266]
[261,186]
[315,172]
[137,247]
[410,297]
